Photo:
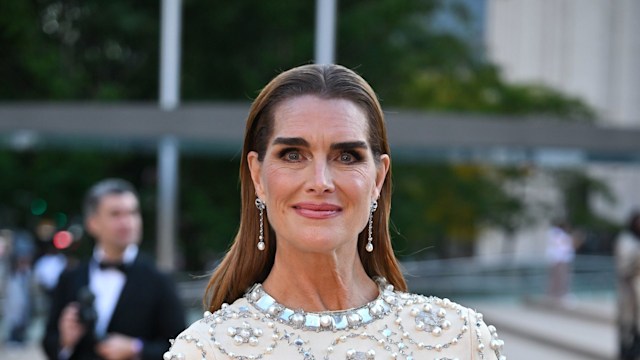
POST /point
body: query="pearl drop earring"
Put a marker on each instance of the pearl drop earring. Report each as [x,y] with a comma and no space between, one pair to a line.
[261,206]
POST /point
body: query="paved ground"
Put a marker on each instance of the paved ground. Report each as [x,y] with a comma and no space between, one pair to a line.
[581,330]
[532,330]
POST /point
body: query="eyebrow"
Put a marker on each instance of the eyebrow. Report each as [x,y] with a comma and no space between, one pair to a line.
[298,141]
[292,141]
[349,145]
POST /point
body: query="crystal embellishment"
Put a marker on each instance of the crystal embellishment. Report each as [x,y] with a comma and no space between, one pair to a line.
[323,321]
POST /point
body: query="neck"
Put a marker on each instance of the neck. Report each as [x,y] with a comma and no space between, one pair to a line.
[112,253]
[315,282]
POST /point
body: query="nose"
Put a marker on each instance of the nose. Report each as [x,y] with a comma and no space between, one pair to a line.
[321,179]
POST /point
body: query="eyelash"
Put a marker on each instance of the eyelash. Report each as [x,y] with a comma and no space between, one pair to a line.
[357,157]
[354,154]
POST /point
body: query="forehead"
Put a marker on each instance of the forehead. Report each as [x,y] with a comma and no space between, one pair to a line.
[124,200]
[310,115]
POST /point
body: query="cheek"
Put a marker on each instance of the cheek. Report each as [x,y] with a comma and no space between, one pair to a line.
[361,180]
[276,181]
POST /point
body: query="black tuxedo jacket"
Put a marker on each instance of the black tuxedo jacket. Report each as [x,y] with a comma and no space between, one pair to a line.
[148,309]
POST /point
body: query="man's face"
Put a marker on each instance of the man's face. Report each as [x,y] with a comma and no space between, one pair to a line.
[116,223]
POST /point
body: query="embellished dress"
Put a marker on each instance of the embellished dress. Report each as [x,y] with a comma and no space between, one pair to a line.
[396,325]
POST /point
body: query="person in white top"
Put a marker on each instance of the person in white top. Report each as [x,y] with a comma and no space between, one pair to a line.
[560,252]
[311,273]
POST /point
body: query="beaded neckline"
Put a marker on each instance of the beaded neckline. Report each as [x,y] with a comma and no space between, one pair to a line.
[326,320]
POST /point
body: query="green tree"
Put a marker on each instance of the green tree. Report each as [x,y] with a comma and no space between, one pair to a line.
[97,50]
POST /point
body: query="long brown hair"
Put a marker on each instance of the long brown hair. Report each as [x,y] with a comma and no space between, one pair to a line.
[244,265]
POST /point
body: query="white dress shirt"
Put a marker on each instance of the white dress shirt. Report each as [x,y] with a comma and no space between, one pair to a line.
[106,285]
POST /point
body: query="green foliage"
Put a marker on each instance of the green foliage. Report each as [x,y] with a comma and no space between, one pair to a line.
[439,208]
[60,179]
[579,190]
[108,50]
[210,207]
[91,49]
[480,89]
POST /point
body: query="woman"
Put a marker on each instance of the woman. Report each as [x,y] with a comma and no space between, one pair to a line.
[627,253]
[313,248]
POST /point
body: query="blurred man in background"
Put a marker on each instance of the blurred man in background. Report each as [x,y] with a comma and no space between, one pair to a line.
[116,305]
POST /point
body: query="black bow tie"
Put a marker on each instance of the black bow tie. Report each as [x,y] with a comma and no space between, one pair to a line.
[104,265]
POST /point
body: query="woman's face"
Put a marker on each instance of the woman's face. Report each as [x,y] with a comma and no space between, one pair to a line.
[318,177]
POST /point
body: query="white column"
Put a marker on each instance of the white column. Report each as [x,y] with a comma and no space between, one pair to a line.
[325,31]
[168,151]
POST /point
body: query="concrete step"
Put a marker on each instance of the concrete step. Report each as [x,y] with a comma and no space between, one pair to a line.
[584,337]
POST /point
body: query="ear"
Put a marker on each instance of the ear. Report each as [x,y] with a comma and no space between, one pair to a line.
[91,224]
[255,167]
[382,169]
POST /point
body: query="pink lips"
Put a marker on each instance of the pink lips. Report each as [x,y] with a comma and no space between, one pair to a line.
[317,211]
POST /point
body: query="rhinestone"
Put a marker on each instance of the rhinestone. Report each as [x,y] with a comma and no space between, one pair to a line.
[375,310]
